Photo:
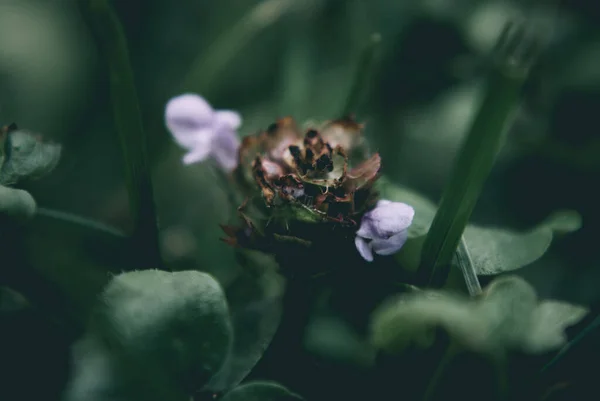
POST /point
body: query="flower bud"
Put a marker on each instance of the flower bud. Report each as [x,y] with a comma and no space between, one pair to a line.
[384,229]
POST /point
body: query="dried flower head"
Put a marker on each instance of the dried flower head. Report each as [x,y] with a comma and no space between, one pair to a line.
[202,131]
[304,177]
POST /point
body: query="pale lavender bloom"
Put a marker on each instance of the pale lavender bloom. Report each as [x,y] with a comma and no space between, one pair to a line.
[202,131]
[384,229]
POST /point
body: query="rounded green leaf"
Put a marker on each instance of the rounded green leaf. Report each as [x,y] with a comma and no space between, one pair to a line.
[507,305]
[16,203]
[172,324]
[496,250]
[549,321]
[493,249]
[412,319]
[506,316]
[261,391]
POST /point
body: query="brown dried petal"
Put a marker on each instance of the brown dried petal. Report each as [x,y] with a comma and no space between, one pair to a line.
[363,174]
[262,180]
[344,132]
[280,136]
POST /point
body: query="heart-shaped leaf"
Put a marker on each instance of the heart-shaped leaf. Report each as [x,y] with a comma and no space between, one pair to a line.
[496,250]
[261,391]
[167,333]
[493,249]
[507,316]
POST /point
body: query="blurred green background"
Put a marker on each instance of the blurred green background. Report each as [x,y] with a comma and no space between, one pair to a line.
[270,58]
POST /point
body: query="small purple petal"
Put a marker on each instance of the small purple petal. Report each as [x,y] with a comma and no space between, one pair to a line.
[231,119]
[196,155]
[390,245]
[225,149]
[391,218]
[363,248]
[189,117]
[367,227]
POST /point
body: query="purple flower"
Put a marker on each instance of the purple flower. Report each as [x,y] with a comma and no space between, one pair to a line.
[202,131]
[384,229]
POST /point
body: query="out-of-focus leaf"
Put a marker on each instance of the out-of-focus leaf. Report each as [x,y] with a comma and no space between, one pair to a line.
[100,375]
[174,323]
[261,391]
[26,156]
[70,260]
[154,335]
[497,250]
[550,319]
[16,203]
[254,301]
[335,340]
[507,316]
[412,320]
[493,250]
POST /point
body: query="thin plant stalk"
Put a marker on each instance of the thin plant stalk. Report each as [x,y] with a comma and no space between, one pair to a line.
[364,72]
[127,117]
[514,55]
[464,261]
[208,64]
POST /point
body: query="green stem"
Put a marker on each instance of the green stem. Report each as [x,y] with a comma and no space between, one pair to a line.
[364,72]
[515,52]
[112,42]
[208,64]
[80,221]
[465,263]
[228,185]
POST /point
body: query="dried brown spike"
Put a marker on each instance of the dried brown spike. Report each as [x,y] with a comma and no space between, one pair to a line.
[260,177]
[363,174]
[345,132]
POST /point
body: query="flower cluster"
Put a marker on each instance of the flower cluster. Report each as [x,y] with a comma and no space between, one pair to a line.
[303,176]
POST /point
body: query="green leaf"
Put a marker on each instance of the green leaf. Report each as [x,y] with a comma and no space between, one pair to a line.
[167,332]
[98,374]
[412,319]
[26,156]
[507,316]
[493,250]
[549,321]
[254,300]
[261,391]
[16,204]
[496,250]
